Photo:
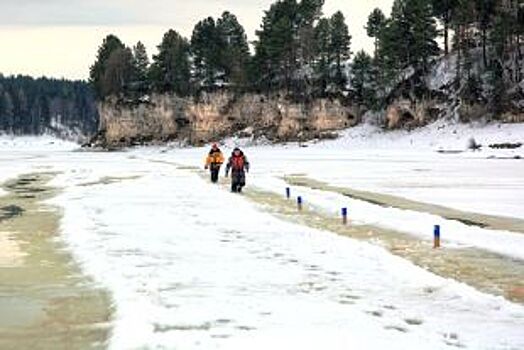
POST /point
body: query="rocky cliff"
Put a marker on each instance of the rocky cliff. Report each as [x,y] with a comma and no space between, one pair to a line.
[411,101]
[440,97]
[213,116]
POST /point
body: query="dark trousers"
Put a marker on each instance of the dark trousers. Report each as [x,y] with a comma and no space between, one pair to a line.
[238,180]
[215,170]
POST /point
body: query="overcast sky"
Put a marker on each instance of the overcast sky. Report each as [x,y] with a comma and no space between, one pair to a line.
[59,38]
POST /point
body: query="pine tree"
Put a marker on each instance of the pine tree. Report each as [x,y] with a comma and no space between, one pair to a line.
[485,10]
[444,11]
[497,80]
[388,59]
[519,28]
[375,25]
[322,54]
[423,32]
[234,49]
[463,17]
[205,48]
[8,112]
[97,71]
[393,48]
[22,109]
[409,38]
[399,35]
[141,65]
[119,73]
[275,58]
[498,87]
[309,13]
[340,47]
[27,105]
[295,44]
[362,79]
[171,71]
[514,11]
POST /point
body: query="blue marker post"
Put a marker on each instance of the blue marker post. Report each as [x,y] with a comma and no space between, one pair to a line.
[288,192]
[299,203]
[436,237]
[345,216]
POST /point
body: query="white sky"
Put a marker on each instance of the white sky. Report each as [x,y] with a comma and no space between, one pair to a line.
[59,38]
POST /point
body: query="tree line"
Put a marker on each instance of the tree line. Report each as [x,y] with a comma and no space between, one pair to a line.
[302,53]
[37,106]
[297,50]
[483,39]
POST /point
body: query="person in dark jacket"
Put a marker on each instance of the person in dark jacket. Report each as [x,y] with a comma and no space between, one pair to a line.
[214,161]
[239,165]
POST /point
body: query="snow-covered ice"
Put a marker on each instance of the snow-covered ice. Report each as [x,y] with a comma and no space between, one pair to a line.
[191,266]
[405,165]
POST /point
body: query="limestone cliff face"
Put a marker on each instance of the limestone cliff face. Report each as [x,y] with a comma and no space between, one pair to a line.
[409,114]
[160,119]
[404,113]
[217,115]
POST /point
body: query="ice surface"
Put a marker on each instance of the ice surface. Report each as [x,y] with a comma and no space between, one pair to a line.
[407,164]
[192,266]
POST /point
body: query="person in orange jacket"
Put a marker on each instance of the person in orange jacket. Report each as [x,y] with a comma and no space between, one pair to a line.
[214,161]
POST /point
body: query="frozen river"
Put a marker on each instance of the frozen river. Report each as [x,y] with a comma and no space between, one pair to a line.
[191,266]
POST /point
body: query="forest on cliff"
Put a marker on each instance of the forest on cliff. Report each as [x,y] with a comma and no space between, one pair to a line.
[303,54]
[453,52]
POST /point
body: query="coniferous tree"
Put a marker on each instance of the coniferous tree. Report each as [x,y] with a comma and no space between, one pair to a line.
[409,38]
[393,45]
[497,79]
[119,73]
[234,49]
[396,39]
[388,59]
[34,106]
[141,66]
[485,10]
[309,13]
[444,11]
[297,48]
[375,25]
[519,27]
[276,50]
[515,9]
[171,71]
[362,79]
[98,69]
[205,48]
[22,108]
[322,47]
[339,47]
[7,111]
[463,17]
[423,33]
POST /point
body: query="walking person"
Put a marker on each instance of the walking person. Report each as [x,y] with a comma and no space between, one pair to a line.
[214,161]
[239,165]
